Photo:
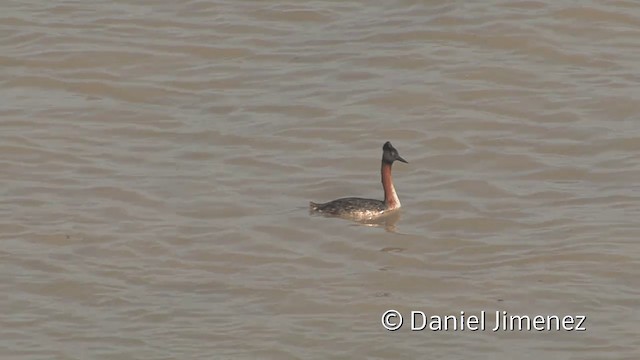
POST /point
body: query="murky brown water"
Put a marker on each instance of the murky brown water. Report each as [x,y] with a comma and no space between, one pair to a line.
[158,158]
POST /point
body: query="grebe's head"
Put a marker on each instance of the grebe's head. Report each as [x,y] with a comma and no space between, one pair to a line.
[390,154]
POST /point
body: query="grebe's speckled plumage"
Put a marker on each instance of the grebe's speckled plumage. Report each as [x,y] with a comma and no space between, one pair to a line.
[367,209]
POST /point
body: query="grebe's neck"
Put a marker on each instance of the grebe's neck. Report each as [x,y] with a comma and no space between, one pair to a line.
[390,197]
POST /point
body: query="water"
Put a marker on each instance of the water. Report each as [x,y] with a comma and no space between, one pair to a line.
[158,158]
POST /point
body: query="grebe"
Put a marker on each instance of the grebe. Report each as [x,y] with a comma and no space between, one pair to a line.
[367,209]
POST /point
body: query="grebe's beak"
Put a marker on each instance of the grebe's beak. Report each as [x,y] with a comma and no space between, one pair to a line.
[399,158]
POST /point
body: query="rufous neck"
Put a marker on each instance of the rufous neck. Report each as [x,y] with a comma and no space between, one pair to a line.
[390,196]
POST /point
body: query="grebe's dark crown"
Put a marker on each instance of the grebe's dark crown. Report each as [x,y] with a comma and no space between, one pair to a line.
[390,154]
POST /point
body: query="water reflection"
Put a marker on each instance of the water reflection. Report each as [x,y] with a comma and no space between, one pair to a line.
[389,222]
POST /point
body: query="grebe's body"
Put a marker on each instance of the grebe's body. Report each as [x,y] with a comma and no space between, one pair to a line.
[367,209]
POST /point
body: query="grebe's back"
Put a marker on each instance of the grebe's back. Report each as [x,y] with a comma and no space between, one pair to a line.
[351,207]
[367,209]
